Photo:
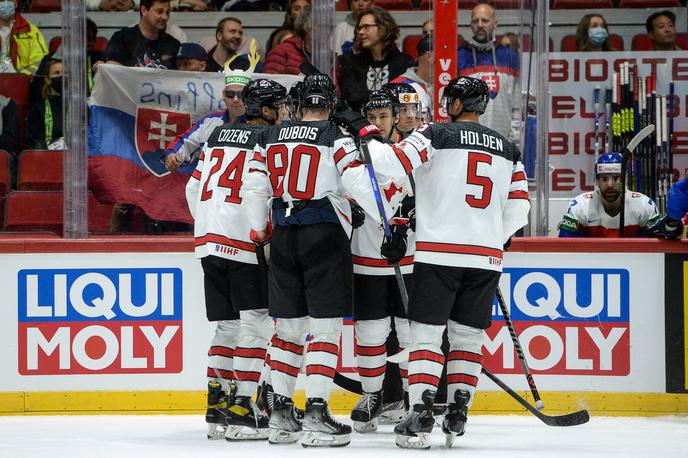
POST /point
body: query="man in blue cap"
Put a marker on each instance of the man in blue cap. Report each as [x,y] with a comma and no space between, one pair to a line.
[191,57]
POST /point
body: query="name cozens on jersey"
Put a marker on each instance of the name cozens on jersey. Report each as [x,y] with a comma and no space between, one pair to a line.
[481,139]
[298,133]
[234,136]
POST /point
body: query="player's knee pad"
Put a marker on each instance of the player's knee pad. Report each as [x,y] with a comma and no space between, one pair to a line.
[372,332]
[426,334]
[292,329]
[228,327]
[403,330]
[465,337]
[326,329]
[257,323]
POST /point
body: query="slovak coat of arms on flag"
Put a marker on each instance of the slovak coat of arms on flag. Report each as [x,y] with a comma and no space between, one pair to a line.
[155,129]
[492,82]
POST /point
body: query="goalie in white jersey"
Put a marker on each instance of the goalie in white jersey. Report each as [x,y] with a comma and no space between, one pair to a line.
[235,285]
[471,196]
[596,214]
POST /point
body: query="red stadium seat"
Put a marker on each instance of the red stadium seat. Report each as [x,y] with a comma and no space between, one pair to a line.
[582,4]
[16,87]
[648,3]
[100,45]
[525,43]
[642,42]
[394,5]
[411,42]
[568,43]
[40,170]
[463,4]
[55,43]
[508,4]
[5,182]
[341,5]
[43,211]
[45,6]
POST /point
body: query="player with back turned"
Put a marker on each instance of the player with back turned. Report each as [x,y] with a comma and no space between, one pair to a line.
[471,196]
[297,173]
[235,285]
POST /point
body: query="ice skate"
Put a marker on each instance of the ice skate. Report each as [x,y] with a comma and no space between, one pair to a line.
[285,427]
[454,422]
[392,413]
[414,431]
[264,398]
[245,421]
[366,412]
[216,411]
[320,429]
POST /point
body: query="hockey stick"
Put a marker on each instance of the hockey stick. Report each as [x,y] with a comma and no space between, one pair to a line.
[569,419]
[627,151]
[519,351]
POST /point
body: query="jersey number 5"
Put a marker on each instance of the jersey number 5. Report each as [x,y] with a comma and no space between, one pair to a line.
[230,178]
[475,158]
[304,157]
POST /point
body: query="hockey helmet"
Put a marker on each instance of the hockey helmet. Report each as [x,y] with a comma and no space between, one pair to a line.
[472,92]
[262,92]
[318,91]
[294,96]
[381,98]
[404,92]
[609,163]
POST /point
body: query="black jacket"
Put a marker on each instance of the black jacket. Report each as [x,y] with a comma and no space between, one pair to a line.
[35,125]
[358,74]
[9,132]
[129,47]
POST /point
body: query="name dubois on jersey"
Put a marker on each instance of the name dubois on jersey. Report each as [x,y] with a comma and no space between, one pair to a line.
[298,133]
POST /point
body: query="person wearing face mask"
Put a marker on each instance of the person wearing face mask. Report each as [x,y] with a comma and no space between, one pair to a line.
[22,46]
[44,122]
[481,57]
[592,34]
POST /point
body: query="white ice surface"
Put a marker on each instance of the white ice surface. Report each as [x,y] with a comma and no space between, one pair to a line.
[486,436]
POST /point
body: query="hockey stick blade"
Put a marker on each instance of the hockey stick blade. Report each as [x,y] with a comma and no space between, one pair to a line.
[400,357]
[569,419]
[640,136]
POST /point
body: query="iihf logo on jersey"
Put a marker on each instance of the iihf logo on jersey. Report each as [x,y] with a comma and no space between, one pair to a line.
[492,81]
[569,321]
[99,321]
[155,129]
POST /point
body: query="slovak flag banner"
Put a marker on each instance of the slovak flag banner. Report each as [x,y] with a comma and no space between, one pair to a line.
[135,113]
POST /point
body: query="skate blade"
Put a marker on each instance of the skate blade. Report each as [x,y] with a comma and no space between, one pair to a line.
[421,441]
[391,417]
[449,439]
[313,439]
[278,436]
[366,427]
[215,431]
[246,433]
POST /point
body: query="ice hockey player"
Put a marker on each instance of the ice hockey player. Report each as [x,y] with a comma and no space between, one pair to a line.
[471,196]
[671,225]
[596,214]
[377,300]
[186,147]
[410,108]
[298,173]
[235,285]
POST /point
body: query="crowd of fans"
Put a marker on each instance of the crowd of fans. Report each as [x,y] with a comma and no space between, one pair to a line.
[366,44]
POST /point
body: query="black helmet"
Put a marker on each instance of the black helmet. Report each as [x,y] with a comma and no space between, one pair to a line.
[294,97]
[381,98]
[404,93]
[318,91]
[262,92]
[472,92]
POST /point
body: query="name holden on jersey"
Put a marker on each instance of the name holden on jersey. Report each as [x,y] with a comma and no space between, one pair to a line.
[484,140]
[100,321]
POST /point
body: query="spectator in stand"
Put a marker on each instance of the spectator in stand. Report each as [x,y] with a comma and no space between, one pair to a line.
[428,27]
[44,122]
[510,40]
[228,35]
[592,34]
[344,32]
[22,46]
[191,5]
[191,58]
[109,5]
[376,59]
[420,77]
[662,31]
[295,8]
[145,44]
[9,126]
[288,57]
[480,57]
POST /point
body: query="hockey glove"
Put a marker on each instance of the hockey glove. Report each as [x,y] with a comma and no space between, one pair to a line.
[408,209]
[507,244]
[666,227]
[394,250]
[357,125]
[357,215]
[262,242]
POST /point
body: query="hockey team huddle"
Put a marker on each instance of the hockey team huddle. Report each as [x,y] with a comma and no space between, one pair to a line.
[303,222]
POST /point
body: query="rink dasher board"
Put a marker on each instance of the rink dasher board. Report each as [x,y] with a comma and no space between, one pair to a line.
[177,372]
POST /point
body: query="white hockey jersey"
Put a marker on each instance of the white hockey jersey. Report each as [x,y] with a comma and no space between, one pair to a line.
[471,191]
[214,194]
[300,161]
[188,145]
[586,217]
